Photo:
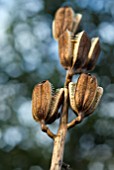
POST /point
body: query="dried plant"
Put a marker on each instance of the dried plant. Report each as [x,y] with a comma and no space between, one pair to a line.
[78,55]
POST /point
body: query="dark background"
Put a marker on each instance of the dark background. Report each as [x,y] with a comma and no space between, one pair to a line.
[28,55]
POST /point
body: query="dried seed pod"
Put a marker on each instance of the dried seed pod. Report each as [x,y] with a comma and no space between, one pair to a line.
[85,92]
[57,100]
[41,100]
[85,95]
[93,54]
[73,51]
[95,101]
[81,49]
[65,19]
[72,87]
[45,104]
[65,49]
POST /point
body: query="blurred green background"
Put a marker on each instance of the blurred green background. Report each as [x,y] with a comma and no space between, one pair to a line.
[28,55]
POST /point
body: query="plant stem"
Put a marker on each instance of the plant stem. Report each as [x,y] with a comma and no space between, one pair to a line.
[68,77]
[47,130]
[75,121]
[59,140]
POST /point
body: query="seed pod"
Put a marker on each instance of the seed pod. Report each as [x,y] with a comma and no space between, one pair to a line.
[81,50]
[65,49]
[85,95]
[95,101]
[45,104]
[93,53]
[57,100]
[72,87]
[41,100]
[85,92]
[65,19]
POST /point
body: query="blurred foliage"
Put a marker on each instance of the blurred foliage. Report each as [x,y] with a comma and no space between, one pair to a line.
[28,55]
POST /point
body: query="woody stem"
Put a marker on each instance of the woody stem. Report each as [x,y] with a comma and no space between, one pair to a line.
[59,140]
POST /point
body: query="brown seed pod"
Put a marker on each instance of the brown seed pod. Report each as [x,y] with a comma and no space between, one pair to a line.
[93,54]
[95,102]
[45,104]
[57,100]
[65,49]
[81,49]
[73,51]
[85,91]
[63,21]
[41,100]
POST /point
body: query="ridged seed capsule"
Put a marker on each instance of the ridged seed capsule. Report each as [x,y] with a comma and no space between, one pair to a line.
[65,19]
[84,95]
[45,104]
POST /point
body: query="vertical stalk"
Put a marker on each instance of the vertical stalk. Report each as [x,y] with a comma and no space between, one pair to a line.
[59,140]
[69,75]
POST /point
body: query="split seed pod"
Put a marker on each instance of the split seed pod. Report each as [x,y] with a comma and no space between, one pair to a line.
[65,19]
[85,91]
[81,49]
[45,105]
[93,54]
[85,95]
[73,51]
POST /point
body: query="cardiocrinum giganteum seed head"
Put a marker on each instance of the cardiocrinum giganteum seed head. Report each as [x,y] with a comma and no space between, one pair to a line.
[45,103]
[85,94]
[65,19]
[77,52]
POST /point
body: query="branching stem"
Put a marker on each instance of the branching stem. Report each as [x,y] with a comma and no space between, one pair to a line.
[75,121]
[47,130]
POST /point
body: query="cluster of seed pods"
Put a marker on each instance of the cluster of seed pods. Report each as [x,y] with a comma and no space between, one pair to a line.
[78,54]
